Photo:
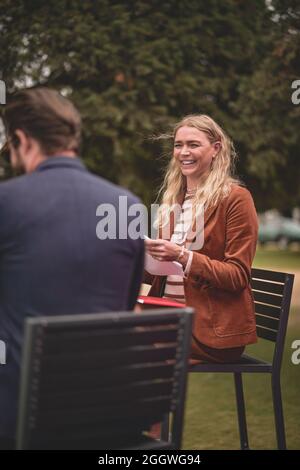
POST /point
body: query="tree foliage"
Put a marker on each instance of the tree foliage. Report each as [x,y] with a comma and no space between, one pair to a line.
[134,67]
[269,119]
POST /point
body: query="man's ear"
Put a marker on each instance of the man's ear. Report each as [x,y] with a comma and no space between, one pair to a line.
[15,141]
[19,137]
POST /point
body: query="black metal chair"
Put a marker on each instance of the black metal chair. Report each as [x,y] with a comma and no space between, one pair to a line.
[99,381]
[272,293]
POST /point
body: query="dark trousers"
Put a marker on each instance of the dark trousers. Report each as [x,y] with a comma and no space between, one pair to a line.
[201,353]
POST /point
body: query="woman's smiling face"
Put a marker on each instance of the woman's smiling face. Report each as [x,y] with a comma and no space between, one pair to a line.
[194,153]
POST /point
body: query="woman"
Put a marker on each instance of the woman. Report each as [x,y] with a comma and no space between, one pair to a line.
[216,278]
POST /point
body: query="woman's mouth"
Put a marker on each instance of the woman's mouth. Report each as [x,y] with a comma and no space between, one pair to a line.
[187,162]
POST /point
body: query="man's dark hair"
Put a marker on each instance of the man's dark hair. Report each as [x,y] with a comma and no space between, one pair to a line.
[45,115]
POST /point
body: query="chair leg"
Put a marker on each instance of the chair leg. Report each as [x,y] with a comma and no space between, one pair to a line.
[278,413]
[165,427]
[240,404]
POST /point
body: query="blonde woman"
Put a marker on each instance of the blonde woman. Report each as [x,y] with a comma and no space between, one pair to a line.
[217,272]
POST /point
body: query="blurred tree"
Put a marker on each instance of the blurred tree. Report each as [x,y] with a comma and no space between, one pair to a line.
[134,67]
[269,126]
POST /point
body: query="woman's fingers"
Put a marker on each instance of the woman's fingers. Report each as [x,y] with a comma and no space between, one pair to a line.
[158,249]
[162,250]
[154,243]
[155,246]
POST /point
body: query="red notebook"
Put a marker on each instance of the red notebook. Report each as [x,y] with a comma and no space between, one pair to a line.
[158,301]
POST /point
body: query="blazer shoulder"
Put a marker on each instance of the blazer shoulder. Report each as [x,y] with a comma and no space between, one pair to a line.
[111,189]
[240,202]
[239,193]
[10,189]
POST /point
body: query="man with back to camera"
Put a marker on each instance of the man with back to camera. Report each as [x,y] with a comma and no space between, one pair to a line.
[51,261]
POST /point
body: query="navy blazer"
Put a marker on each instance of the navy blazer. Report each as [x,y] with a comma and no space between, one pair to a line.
[51,261]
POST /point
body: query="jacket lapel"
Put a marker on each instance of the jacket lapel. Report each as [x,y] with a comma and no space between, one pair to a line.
[195,235]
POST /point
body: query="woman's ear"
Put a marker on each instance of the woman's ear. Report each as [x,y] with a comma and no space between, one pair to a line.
[217,147]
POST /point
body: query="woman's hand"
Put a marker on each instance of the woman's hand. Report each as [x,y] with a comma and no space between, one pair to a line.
[163,250]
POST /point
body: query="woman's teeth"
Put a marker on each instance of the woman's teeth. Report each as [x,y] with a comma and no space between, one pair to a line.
[187,162]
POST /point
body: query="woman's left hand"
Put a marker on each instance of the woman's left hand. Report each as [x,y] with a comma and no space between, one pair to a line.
[163,250]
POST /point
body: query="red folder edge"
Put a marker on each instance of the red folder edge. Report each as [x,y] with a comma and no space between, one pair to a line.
[158,301]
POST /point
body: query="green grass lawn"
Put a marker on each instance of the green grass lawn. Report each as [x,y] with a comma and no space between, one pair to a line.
[277,259]
[210,418]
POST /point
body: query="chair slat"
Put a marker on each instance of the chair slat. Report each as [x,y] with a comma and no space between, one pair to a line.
[127,395]
[268,275]
[267,298]
[57,328]
[75,334]
[266,334]
[82,380]
[268,310]
[272,323]
[90,360]
[131,338]
[61,419]
[272,287]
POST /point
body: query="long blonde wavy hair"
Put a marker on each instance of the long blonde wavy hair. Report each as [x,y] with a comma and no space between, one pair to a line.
[218,183]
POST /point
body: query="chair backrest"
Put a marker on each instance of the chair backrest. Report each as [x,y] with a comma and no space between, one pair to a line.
[272,293]
[100,380]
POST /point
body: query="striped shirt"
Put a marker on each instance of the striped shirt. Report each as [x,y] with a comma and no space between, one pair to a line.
[174,289]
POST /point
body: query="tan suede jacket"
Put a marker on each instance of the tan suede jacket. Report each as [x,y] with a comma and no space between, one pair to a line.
[218,284]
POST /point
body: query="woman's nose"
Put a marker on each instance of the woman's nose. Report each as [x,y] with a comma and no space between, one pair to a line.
[185,150]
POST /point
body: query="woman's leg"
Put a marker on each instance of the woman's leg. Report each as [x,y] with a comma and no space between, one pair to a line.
[201,353]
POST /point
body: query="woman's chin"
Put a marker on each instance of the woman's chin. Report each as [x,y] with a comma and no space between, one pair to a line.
[187,171]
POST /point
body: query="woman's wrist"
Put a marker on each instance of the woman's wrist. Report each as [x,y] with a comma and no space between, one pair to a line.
[183,256]
[180,253]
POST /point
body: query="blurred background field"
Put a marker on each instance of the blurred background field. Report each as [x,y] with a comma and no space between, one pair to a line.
[211,420]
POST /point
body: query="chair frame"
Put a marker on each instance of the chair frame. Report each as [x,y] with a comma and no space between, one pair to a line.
[266,285]
[160,328]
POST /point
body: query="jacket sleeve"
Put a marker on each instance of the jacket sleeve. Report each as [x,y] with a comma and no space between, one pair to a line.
[234,271]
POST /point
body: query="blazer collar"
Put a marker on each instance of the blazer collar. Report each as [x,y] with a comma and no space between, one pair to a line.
[61,162]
